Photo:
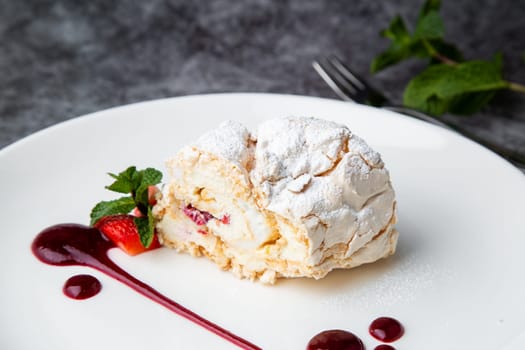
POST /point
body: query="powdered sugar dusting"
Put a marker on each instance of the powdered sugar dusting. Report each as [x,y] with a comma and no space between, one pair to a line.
[306,167]
[358,145]
[358,165]
[291,147]
[231,140]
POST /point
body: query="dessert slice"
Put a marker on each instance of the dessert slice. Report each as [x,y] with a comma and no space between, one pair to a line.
[297,198]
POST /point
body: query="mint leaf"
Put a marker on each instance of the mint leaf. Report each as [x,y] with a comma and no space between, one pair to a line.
[151,176]
[125,181]
[444,87]
[122,205]
[430,26]
[398,50]
[428,6]
[425,42]
[146,228]
[470,103]
[135,182]
[141,198]
[397,32]
[429,23]
[388,58]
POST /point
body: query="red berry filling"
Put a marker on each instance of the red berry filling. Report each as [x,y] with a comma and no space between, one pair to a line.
[225,219]
[201,217]
[197,216]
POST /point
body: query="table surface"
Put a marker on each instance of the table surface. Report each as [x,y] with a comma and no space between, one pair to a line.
[63,59]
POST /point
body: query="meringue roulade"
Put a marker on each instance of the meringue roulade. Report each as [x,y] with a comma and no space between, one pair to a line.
[298,197]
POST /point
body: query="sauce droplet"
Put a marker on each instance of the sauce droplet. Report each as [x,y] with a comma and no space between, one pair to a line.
[82,287]
[335,340]
[384,347]
[386,329]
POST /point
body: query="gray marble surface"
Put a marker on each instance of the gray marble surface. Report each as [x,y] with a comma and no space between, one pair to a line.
[63,59]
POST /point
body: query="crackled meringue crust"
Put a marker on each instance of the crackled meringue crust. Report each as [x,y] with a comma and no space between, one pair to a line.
[297,198]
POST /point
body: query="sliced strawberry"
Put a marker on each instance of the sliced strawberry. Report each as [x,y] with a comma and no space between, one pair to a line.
[136,212]
[121,230]
[152,194]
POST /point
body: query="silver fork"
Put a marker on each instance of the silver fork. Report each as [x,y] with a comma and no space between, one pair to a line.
[350,87]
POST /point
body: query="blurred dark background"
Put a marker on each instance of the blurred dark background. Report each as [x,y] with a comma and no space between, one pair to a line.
[62,59]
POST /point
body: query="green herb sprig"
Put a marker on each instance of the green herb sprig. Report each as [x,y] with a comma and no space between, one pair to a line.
[449,83]
[135,183]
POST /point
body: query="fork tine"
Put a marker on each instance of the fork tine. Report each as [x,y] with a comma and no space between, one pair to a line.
[347,73]
[371,95]
[327,72]
[359,91]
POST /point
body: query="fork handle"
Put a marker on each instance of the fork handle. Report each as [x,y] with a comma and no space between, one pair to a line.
[515,157]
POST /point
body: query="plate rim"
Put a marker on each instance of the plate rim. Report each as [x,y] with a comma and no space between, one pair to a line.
[96,114]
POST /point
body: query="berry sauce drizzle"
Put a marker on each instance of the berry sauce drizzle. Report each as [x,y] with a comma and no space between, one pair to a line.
[81,287]
[386,329]
[335,340]
[72,244]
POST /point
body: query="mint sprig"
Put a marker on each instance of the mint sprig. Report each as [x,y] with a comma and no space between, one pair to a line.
[448,83]
[429,32]
[135,183]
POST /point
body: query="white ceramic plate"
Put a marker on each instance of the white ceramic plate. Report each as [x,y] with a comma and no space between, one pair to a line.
[456,281]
